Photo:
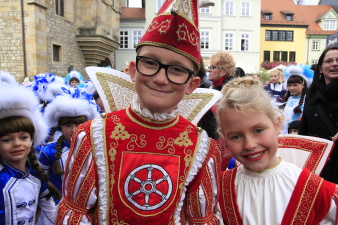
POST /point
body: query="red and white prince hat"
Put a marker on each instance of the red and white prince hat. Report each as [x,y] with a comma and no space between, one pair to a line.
[176,28]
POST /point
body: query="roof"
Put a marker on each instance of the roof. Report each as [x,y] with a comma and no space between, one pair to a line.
[334,3]
[303,15]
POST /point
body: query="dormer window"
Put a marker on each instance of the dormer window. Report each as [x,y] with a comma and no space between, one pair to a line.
[288,15]
[267,14]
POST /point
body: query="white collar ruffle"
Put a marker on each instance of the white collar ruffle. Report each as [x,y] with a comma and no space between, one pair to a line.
[156,116]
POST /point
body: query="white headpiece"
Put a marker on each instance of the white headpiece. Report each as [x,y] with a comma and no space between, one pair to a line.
[70,105]
[298,70]
[7,77]
[16,100]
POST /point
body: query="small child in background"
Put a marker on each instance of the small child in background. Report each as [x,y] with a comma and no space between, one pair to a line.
[275,87]
[65,112]
[264,189]
[98,102]
[25,187]
[294,127]
[298,80]
[74,81]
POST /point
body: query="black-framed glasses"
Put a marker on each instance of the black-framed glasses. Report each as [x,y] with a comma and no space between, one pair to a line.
[150,67]
[211,68]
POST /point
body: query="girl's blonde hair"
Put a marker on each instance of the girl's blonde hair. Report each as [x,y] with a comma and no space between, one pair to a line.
[224,60]
[245,94]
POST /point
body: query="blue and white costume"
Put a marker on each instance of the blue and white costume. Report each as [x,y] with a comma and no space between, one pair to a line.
[21,195]
[47,159]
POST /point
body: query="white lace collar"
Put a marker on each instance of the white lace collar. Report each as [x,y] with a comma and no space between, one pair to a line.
[157,116]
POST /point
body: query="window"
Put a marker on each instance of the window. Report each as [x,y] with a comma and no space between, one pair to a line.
[315,45]
[130,38]
[57,53]
[159,5]
[123,39]
[205,10]
[275,35]
[330,25]
[137,34]
[268,16]
[289,35]
[275,56]
[282,35]
[278,35]
[229,41]
[292,56]
[59,7]
[245,41]
[284,56]
[266,56]
[289,17]
[204,39]
[245,9]
[229,8]
[268,35]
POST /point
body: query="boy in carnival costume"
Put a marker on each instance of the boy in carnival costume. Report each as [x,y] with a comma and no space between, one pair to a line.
[146,164]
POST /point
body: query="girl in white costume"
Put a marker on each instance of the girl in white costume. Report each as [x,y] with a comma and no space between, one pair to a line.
[24,185]
[298,80]
[264,189]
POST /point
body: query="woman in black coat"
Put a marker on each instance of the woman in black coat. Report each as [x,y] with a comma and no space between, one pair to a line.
[320,114]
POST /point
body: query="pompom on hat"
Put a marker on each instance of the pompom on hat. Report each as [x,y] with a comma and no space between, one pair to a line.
[17,100]
[70,105]
[176,28]
[298,70]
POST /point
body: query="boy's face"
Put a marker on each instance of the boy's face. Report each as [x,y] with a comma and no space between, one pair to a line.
[157,93]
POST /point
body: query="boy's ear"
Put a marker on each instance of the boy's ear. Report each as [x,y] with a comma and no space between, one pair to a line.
[132,70]
[194,83]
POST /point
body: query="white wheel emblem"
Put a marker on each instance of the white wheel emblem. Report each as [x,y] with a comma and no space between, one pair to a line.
[148,187]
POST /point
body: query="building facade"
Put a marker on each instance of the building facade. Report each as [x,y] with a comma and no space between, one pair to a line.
[295,33]
[227,26]
[55,36]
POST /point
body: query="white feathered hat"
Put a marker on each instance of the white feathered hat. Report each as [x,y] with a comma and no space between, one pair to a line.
[7,77]
[70,105]
[298,70]
[17,100]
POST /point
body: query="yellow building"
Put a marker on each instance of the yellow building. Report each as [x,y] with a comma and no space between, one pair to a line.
[294,33]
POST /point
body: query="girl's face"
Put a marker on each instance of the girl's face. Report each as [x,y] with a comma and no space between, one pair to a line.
[68,130]
[74,83]
[274,77]
[295,89]
[14,148]
[251,137]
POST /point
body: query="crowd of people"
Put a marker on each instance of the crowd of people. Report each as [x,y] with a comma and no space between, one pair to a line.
[64,160]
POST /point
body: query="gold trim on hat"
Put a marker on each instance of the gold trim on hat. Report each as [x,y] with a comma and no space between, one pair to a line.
[161,45]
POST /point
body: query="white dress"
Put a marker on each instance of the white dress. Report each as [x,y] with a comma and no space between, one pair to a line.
[263,198]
